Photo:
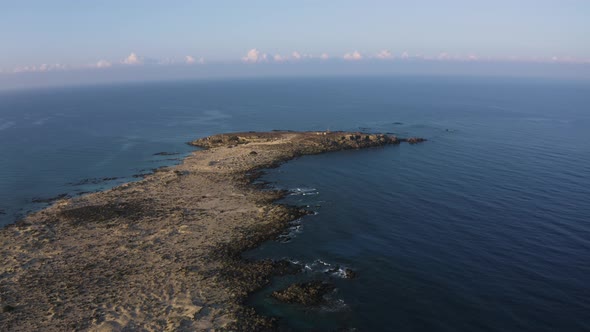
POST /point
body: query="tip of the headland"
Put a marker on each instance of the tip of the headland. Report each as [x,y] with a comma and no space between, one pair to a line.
[337,136]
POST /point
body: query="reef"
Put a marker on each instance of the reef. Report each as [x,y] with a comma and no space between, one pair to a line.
[162,253]
[306,293]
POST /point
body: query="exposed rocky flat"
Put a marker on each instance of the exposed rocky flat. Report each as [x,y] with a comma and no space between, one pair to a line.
[162,253]
[307,293]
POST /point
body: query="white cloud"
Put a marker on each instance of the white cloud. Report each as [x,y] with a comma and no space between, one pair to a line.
[24,69]
[279,58]
[165,61]
[190,59]
[405,55]
[384,54]
[254,56]
[324,56]
[354,56]
[41,68]
[133,59]
[103,64]
[296,55]
[568,59]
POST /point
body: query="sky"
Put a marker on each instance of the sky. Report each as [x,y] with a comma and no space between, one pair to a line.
[40,36]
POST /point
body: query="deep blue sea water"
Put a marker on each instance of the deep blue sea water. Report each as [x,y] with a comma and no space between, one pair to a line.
[486,227]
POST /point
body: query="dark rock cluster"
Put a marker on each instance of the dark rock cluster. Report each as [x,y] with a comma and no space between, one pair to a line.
[306,293]
[6,308]
[93,181]
[166,153]
[415,140]
[133,210]
[50,199]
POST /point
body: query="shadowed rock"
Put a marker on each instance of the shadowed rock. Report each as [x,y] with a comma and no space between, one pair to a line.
[307,293]
[132,210]
[166,153]
[6,308]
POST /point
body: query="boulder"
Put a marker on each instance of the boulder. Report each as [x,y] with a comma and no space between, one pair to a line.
[414,140]
[306,293]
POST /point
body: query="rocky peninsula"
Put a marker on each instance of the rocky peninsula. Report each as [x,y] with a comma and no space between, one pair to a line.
[162,253]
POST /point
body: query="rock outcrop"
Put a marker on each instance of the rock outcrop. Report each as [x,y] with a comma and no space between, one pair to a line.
[162,253]
[306,293]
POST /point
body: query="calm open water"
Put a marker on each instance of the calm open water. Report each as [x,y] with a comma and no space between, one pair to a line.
[486,227]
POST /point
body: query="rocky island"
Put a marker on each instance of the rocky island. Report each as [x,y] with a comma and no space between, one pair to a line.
[162,253]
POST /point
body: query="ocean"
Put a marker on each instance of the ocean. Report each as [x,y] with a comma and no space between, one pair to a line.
[485,227]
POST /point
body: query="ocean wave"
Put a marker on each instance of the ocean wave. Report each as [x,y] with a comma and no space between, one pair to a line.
[320,266]
[41,121]
[291,232]
[6,125]
[334,304]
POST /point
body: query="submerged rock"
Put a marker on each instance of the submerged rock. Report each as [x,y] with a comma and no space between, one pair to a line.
[50,199]
[349,274]
[285,267]
[166,153]
[414,140]
[93,181]
[345,273]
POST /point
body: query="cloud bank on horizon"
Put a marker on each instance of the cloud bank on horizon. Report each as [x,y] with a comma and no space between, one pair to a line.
[63,36]
[255,56]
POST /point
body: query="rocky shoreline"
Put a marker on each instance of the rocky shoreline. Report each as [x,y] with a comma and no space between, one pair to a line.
[162,253]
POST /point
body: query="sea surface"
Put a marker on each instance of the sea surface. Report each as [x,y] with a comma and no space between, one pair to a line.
[485,227]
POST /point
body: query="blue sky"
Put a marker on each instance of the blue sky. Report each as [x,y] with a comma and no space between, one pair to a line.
[42,35]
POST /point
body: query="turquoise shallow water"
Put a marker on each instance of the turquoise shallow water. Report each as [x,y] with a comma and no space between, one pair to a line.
[486,227]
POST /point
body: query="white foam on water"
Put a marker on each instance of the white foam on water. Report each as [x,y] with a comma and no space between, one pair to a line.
[340,272]
[41,121]
[320,266]
[303,191]
[292,231]
[6,125]
[334,305]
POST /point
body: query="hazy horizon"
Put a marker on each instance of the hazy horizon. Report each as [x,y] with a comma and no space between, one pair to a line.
[68,43]
[86,77]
